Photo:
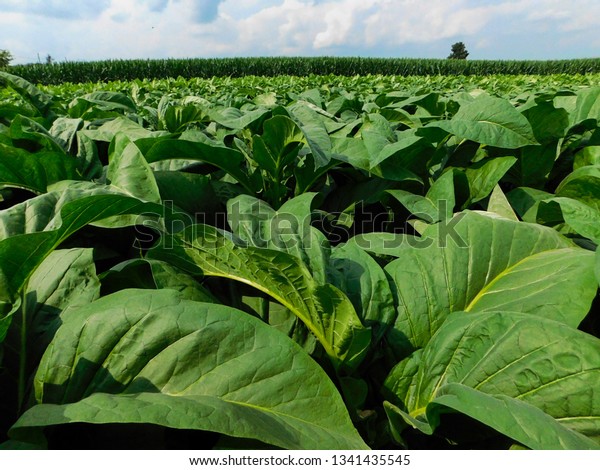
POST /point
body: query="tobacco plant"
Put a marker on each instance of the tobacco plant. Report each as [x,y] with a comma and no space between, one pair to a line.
[339,268]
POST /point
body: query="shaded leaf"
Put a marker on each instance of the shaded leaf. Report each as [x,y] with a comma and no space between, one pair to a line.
[326,311]
[200,366]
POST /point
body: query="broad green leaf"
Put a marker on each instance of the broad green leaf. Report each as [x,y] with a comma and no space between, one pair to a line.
[327,312]
[100,104]
[389,151]
[250,219]
[587,107]
[536,360]
[222,157]
[282,319]
[233,118]
[442,193]
[548,122]
[288,229]
[24,128]
[417,205]
[526,201]
[516,419]
[587,156]
[65,130]
[9,111]
[65,280]
[188,191]
[498,204]
[107,131]
[362,279]
[313,125]
[266,99]
[169,277]
[34,171]
[278,146]
[490,121]
[583,184]
[32,230]
[89,163]
[484,175]
[177,118]
[582,218]
[402,152]
[40,100]
[437,204]
[199,366]
[533,166]
[517,290]
[354,151]
[400,383]
[479,261]
[129,171]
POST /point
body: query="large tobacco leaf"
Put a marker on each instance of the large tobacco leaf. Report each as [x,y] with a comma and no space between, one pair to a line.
[587,107]
[583,185]
[225,158]
[365,283]
[437,204]
[326,311]
[490,121]
[582,218]
[484,175]
[516,419]
[41,101]
[153,357]
[278,146]
[537,360]
[287,229]
[129,171]
[481,262]
[65,280]
[30,231]
[34,171]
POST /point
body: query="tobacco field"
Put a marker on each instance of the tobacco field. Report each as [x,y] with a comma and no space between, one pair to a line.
[317,262]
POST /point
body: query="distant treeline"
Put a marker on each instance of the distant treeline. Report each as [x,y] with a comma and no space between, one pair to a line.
[112,70]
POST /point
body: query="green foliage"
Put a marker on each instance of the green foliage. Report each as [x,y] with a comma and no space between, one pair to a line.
[228,380]
[459,51]
[301,262]
[5,58]
[111,70]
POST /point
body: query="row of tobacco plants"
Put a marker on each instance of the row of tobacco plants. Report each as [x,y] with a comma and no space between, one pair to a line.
[302,269]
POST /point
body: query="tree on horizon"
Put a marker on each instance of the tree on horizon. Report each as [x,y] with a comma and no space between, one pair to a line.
[459,51]
[5,58]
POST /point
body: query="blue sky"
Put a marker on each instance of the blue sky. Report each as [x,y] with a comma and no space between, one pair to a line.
[110,29]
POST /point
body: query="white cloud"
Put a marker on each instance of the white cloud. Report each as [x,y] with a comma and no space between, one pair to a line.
[342,22]
[558,14]
[209,28]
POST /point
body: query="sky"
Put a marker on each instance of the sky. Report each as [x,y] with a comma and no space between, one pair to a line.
[125,29]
